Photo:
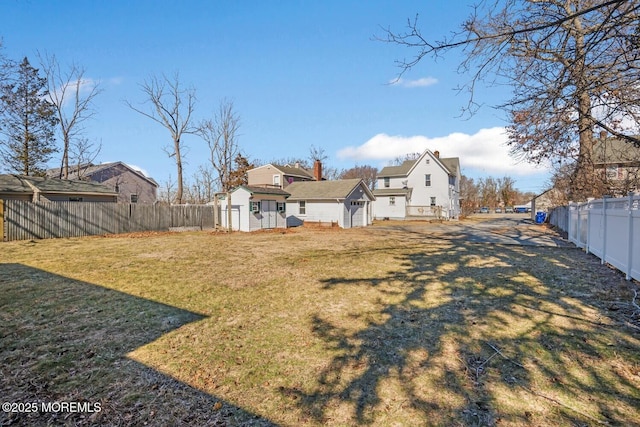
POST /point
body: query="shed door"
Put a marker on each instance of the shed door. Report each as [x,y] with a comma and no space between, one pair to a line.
[269,214]
[357,213]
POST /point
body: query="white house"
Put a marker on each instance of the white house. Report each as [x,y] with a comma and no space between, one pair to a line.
[347,202]
[426,187]
[254,208]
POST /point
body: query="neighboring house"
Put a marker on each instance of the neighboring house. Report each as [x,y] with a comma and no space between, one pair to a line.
[426,187]
[39,189]
[281,176]
[254,208]
[132,186]
[618,162]
[346,202]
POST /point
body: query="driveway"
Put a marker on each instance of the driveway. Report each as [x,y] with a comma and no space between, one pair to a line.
[504,229]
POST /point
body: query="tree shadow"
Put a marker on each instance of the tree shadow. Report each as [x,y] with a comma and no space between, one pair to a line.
[64,340]
[479,335]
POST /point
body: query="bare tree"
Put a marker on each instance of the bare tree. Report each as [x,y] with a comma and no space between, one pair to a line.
[488,189]
[405,158]
[83,153]
[171,107]
[72,95]
[365,172]
[221,135]
[167,191]
[317,154]
[506,190]
[573,66]
[469,200]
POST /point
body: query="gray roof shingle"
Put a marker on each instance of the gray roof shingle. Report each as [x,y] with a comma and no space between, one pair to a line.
[20,184]
[319,190]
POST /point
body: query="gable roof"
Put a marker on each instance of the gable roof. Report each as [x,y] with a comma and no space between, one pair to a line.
[322,190]
[396,171]
[273,191]
[88,169]
[614,150]
[29,184]
[299,172]
[451,165]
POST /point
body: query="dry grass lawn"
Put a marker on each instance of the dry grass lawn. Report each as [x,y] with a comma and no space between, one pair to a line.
[379,326]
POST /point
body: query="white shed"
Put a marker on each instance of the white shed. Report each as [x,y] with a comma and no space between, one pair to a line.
[255,208]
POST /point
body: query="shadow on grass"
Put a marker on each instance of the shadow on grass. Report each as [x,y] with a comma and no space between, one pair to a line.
[482,335]
[64,340]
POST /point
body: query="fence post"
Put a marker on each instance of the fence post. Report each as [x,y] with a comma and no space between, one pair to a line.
[630,234]
[604,229]
[586,243]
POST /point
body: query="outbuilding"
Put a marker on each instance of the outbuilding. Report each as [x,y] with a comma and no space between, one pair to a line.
[254,208]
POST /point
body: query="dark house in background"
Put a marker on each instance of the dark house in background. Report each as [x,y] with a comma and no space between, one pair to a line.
[132,186]
[39,189]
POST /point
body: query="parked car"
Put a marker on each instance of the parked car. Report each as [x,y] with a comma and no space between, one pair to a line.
[508,209]
[484,209]
[498,210]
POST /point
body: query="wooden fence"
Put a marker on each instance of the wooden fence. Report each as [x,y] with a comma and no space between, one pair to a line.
[23,220]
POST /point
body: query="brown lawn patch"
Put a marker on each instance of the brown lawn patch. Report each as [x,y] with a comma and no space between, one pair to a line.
[375,326]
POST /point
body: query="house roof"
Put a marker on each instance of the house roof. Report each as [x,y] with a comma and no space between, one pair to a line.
[319,190]
[392,192]
[14,184]
[614,150]
[89,169]
[394,171]
[253,189]
[26,184]
[451,165]
[294,171]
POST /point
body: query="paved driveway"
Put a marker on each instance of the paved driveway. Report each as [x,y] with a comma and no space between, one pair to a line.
[506,229]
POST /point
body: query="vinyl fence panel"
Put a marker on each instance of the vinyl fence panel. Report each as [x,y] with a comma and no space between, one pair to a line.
[610,229]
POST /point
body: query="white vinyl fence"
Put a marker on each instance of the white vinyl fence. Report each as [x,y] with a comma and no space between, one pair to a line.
[610,229]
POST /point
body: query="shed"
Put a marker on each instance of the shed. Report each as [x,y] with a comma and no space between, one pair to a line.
[254,208]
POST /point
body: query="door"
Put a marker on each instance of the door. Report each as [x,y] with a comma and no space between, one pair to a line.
[269,213]
[357,213]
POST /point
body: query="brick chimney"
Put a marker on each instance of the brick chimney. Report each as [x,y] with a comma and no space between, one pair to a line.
[437,154]
[317,170]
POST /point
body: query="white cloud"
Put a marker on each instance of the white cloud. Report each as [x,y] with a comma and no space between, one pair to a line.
[422,82]
[483,153]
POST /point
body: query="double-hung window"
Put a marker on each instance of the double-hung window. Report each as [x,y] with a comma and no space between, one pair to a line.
[427,180]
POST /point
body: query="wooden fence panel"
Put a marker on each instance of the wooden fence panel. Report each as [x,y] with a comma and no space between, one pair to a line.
[22,220]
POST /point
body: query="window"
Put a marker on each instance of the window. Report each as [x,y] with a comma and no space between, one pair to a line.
[75,199]
[392,201]
[134,198]
[302,207]
[254,207]
[433,201]
[281,206]
[386,182]
[276,180]
[427,180]
[427,161]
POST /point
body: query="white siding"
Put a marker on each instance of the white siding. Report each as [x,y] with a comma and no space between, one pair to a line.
[243,219]
[383,208]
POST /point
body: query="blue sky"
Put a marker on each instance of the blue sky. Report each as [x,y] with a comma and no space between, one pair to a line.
[300,74]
